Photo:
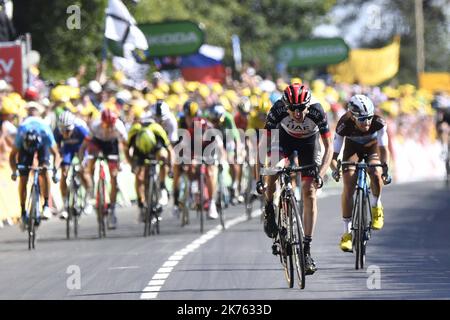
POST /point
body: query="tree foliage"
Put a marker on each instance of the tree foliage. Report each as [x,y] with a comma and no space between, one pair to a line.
[62,50]
[260,24]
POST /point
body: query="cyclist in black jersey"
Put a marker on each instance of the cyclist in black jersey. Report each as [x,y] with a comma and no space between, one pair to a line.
[299,120]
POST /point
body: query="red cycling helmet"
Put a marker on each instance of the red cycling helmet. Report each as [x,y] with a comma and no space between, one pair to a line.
[109,117]
[297,96]
[31,94]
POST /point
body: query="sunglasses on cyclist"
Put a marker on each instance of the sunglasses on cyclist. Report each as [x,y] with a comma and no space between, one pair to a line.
[299,107]
[363,118]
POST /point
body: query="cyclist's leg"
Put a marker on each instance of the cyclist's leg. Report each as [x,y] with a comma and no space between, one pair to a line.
[88,172]
[140,185]
[44,178]
[376,185]
[175,183]
[25,159]
[308,153]
[162,155]
[349,183]
[67,156]
[210,182]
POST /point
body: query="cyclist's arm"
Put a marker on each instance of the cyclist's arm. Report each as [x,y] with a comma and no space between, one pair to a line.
[337,146]
[56,156]
[326,160]
[383,142]
[82,149]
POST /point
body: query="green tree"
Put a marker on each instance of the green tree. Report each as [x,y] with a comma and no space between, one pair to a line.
[260,24]
[62,50]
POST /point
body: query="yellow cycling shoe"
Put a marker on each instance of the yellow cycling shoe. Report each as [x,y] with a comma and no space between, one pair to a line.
[346,242]
[377,217]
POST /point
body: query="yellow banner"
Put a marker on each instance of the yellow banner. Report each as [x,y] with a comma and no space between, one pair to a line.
[435,81]
[368,66]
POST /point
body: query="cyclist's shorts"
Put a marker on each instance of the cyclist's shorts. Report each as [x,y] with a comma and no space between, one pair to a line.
[68,153]
[356,152]
[108,148]
[26,159]
[140,157]
[308,151]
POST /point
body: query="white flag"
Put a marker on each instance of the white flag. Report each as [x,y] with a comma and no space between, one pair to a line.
[121,26]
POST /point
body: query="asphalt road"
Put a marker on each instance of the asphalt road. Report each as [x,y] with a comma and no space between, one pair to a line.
[408,259]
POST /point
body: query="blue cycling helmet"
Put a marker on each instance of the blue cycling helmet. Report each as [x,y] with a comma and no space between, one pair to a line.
[32,141]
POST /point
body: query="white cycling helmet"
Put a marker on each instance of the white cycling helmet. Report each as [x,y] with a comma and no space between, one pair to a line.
[360,105]
[245,105]
[66,121]
[217,112]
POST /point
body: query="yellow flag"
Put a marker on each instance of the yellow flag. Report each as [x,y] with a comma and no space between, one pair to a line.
[435,81]
[369,66]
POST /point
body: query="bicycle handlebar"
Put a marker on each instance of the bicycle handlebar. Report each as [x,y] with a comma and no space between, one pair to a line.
[38,169]
[387,179]
[271,171]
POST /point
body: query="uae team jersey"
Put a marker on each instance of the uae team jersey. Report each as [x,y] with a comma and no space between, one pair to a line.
[314,122]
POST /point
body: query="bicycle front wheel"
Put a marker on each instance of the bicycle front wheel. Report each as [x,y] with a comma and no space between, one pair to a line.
[150,205]
[221,201]
[248,176]
[284,234]
[101,208]
[297,243]
[33,214]
[357,226]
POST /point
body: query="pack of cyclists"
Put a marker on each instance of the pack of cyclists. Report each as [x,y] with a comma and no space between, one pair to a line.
[156,131]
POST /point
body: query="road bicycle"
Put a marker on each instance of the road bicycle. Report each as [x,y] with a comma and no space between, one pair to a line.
[33,215]
[153,194]
[288,243]
[101,198]
[75,199]
[361,217]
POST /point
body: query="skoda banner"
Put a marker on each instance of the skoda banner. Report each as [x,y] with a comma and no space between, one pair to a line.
[313,52]
[174,38]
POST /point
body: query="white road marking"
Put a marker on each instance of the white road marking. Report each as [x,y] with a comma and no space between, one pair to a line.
[158,279]
[124,268]
[151,291]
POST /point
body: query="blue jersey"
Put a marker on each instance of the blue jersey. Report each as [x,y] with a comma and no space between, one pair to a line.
[74,142]
[39,125]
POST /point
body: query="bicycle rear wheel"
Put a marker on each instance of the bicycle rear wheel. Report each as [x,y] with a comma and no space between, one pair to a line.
[297,242]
